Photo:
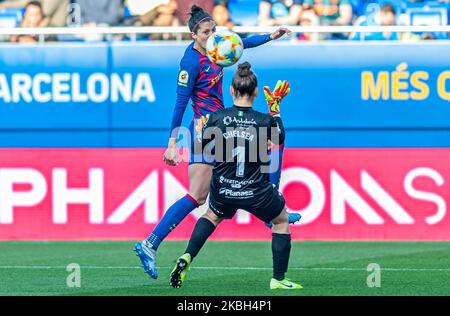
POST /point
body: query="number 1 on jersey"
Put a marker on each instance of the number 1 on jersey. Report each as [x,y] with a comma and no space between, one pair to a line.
[240,167]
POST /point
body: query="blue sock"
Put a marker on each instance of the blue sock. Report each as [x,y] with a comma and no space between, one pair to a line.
[276,159]
[174,215]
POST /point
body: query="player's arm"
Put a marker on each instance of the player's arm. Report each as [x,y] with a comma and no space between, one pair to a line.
[257,40]
[187,77]
[277,134]
[273,99]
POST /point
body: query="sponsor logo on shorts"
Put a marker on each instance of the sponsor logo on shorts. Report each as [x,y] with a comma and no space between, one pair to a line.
[238,194]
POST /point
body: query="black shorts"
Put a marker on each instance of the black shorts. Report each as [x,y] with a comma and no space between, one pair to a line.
[266,207]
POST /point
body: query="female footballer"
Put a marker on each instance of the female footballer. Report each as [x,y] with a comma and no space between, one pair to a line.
[199,80]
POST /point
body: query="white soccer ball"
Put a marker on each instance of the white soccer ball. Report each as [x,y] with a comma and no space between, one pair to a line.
[224,48]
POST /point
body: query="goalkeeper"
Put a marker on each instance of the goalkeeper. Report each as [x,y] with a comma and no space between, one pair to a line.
[243,132]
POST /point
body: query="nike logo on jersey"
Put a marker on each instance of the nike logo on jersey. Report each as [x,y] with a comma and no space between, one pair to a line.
[207,69]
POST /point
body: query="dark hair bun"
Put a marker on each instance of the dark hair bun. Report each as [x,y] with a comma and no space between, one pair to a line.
[198,16]
[244,81]
[244,69]
[196,9]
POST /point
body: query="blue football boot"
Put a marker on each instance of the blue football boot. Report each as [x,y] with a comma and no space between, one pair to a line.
[148,257]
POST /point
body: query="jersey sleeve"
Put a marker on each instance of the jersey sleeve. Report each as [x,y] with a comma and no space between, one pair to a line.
[255,40]
[276,124]
[178,112]
[187,76]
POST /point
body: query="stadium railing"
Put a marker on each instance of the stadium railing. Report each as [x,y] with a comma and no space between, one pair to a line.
[133,32]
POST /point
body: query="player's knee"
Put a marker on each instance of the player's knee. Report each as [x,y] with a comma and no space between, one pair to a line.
[281,219]
[199,196]
[202,199]
[213,218]
[199,192]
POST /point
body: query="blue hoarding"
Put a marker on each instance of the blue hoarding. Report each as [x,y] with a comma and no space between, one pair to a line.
[123,94]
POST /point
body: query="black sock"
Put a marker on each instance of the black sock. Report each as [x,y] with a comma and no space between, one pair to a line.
[281,249]
[202,230]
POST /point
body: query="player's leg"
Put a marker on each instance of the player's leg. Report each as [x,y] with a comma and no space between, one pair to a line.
[276,161]
[199,178]
[203,229]
[270,206]
[281,249]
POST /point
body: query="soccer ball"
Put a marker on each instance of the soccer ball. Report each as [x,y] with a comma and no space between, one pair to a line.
[224,48]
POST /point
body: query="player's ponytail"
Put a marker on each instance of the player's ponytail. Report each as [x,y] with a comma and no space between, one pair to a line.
[198,16]
[244,81]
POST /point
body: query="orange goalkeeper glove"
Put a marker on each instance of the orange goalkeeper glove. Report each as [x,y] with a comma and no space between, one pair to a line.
[274,98]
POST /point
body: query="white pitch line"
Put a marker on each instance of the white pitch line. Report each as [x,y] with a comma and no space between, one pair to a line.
[232,268]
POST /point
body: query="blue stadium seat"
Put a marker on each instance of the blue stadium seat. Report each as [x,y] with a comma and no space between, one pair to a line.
[126,12]
[10,17]
[431,13]
[358,7]
[427,13]
[244,12]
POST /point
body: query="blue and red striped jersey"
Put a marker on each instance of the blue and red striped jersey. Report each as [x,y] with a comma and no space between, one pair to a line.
[200,79]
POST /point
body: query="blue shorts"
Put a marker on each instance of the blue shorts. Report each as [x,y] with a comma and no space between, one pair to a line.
[197,155]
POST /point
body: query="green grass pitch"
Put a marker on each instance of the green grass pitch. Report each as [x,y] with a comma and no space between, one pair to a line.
[226,268]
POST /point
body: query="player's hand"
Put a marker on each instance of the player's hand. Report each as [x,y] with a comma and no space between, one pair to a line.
[201,122]
[273,98]
[171,157]
[279,33]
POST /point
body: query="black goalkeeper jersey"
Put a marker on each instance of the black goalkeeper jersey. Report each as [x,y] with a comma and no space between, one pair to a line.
[241,136]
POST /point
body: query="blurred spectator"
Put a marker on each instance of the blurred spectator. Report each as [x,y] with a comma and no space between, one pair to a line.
[56,11]
[428,36]
[221,14]
[384,17]
[184,7]
[33,17]
[279,12]
[162,15]
[141,7]
[13,4]
[331,12]
[101,12]
[309,18]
